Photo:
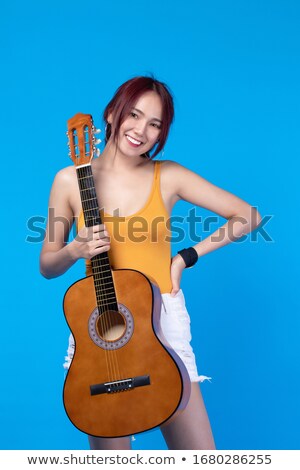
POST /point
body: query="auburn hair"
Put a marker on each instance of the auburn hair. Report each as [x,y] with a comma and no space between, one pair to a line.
[125,99]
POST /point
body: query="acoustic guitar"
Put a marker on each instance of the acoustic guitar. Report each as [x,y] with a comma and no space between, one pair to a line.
[124,377]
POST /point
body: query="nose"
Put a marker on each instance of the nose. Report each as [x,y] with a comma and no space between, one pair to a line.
[139,128]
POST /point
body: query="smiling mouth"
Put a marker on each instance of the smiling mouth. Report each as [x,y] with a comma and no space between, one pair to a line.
[133,141]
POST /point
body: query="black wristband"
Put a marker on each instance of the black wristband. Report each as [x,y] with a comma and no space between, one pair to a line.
[189,256]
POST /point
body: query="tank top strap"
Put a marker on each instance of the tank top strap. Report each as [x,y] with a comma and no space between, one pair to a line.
[157,171]
[156,204]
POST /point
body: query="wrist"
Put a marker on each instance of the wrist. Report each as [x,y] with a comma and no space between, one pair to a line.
[71,252]
[189,256]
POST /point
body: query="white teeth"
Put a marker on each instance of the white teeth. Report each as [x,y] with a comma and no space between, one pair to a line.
[136,142]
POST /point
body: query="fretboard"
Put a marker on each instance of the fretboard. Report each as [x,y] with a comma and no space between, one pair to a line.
[103,280]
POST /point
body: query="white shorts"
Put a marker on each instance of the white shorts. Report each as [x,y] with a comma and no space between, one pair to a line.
[175,324]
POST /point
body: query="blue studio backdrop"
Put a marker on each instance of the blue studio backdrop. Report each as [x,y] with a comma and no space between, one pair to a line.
[234,70]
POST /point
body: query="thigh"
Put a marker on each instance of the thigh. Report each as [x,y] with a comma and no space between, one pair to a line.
[114,443]
[190,429]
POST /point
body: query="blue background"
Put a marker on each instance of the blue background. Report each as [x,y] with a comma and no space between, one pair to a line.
[234,70]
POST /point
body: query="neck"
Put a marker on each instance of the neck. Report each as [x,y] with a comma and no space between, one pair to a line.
[112,159]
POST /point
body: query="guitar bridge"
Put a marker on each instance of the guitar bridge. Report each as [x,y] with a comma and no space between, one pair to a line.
[120,385]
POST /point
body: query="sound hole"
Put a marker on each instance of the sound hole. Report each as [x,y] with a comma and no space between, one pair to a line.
[111,325]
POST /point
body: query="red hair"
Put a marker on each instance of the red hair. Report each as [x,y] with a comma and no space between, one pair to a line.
[124,100]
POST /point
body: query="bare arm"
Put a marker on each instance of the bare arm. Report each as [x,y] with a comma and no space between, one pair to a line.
[241,217]
[57,256]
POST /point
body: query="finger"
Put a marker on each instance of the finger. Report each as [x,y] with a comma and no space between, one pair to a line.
[175,286]
[174,291]
[101,249]
[104,235]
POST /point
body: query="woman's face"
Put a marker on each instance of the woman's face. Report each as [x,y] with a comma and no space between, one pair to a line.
[141,129]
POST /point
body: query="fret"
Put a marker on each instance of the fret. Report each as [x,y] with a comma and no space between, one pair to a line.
[94,199]
[89,199]
[83,185]
[105,298]
[87,192]
[91,219]
[98,272]
[108,291]
[99,279]
[103,277]
[90,203]
[101,258]
[86,189]
[111,297]
[85,177]
[105,286]
[102,265]
[92,209]
[100,275]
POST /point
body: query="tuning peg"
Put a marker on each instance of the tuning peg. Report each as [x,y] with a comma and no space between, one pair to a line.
[97,141]
[97,152]
[97,131]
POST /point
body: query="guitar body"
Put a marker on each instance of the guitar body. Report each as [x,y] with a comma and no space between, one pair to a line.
[133,347]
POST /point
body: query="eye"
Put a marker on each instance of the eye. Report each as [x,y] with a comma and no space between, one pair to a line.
[156,125]
[133,114]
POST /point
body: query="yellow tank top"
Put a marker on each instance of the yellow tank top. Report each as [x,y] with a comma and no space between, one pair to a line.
[141,241]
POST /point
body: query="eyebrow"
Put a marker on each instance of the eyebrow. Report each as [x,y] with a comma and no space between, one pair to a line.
[153,119]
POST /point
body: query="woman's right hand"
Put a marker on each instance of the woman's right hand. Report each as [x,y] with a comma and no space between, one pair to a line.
[89,242]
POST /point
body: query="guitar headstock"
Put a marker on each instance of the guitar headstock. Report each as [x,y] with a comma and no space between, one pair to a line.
[81,139]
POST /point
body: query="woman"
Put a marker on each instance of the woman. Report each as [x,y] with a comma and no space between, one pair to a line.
[132,185]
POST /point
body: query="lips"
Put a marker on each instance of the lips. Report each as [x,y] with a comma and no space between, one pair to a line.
[132,141]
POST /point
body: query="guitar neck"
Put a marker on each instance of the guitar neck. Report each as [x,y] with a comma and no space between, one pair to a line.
[103,280]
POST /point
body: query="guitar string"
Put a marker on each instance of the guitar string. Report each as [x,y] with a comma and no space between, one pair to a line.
[85,189]
[106,316]
[90,222]
[102,303]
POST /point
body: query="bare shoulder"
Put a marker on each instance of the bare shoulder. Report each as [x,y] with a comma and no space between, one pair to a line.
[65,181]
[171,168]
[64,189]
[66,175]
[173,173]
[190,186]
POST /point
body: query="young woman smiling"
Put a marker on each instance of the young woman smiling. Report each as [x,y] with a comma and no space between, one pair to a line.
[132,187]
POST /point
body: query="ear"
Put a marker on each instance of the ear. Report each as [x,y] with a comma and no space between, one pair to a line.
[110,118]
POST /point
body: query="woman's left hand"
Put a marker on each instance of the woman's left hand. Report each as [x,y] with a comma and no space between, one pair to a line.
[177,266]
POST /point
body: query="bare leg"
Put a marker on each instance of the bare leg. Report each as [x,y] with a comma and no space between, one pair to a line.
[115,443]
[190,430]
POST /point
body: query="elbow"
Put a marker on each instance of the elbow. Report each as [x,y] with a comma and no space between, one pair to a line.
[255,218]
[45,271]
[252,219]
[249,218]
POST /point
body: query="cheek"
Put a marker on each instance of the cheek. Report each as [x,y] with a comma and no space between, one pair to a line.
[154,134]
